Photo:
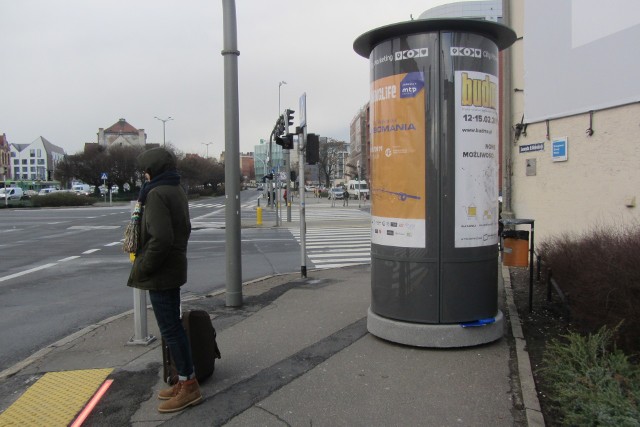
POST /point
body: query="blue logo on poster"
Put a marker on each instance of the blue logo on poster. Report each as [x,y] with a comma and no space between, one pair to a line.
[411,85]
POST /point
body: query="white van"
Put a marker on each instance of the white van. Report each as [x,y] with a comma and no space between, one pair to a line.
[11,193]
[82,189]
[358,189]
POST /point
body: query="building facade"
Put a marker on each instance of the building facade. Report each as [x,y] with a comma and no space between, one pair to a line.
[5,158]
[121,134]
[35,161]
[574,148]
[359,146]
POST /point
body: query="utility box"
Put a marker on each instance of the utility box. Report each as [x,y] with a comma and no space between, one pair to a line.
[434,114]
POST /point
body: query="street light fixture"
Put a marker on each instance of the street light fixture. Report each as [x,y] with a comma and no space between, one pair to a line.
[279,86]
[164,122]
[207,144]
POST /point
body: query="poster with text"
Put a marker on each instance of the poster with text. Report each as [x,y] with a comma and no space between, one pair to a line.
[398,161]
[476,201]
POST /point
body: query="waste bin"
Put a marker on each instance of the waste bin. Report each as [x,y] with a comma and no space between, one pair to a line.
[516,248]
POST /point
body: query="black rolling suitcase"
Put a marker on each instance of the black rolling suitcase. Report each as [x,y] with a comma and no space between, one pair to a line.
[204,349]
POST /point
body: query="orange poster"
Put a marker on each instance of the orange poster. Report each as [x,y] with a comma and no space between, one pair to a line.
[398,203]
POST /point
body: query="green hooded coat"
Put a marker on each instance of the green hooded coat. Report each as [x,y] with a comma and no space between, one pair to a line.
[161,261]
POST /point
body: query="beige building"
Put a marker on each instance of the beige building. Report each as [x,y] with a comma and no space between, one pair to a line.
[121,134]
[572,151]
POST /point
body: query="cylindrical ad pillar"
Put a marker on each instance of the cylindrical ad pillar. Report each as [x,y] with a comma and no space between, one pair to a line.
[434,150]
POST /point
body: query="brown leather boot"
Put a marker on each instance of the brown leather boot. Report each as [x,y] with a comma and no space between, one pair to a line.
[169,392]
[187,393]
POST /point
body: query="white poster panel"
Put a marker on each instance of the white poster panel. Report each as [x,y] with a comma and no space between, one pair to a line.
[476,161]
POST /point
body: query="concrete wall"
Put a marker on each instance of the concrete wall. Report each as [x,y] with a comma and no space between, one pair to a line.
[601,175]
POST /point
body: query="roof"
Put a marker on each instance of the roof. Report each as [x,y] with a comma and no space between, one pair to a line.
[51,148]
[121,127]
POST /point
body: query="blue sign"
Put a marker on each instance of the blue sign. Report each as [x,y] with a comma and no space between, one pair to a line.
[559,150]
[104,176]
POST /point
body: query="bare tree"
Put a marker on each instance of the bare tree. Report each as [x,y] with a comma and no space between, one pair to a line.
[330,154]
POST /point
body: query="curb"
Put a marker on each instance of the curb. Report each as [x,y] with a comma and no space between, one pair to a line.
[527,384]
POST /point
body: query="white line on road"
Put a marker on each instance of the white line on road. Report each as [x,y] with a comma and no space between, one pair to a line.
[90,251]
[113,244]
[31,270]
[69,258]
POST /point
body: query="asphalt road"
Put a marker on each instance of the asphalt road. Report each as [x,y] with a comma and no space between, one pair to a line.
[63,269]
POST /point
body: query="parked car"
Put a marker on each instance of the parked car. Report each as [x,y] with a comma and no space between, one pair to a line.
[336,193]
[11,193]
[46,191]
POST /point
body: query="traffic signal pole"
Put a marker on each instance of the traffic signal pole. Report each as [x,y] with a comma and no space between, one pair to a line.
[302,140]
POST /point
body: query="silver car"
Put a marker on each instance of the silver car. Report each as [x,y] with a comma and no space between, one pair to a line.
[336,193]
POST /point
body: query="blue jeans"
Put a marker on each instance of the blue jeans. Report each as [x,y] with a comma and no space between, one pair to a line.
[166,307]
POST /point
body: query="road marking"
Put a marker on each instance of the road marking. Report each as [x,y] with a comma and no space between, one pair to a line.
[31,270]
[69,258]
[90,251]
[113,244]
[93,227]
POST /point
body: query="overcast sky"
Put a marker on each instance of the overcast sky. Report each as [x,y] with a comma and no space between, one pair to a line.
[70,67]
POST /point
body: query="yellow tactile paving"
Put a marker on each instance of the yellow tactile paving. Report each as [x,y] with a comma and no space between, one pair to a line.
[55,399]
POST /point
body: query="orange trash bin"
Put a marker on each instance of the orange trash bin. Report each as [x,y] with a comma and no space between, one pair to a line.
[516,248]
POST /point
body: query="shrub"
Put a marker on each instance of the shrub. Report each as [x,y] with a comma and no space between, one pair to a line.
[61,199]
[600,273]
[591,382]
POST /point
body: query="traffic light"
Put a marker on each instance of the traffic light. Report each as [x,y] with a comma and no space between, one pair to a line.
[313,148]
[288,120]
[286,141]
[293,175]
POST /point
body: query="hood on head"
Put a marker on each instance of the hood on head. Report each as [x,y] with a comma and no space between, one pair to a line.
[157,160]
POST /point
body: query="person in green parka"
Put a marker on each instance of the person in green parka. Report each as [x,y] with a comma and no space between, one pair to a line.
[160,266]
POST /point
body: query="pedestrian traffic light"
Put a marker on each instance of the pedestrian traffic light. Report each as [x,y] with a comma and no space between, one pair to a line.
[293,175]
[286,141]
[313,148]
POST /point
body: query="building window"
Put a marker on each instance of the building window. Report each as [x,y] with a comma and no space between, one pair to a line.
[32,161]
[41,161]
[13,154]
[16,161]
[32,152]
[39,152]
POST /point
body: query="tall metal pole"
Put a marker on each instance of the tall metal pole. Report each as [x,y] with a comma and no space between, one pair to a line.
[207,144]
[232,156]
[164,122]
[302,142]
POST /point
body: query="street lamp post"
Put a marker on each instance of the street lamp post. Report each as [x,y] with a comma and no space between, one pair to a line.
[280,86]
[207,144]
[164,122]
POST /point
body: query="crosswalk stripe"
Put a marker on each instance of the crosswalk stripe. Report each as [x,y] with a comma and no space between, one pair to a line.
[337,247]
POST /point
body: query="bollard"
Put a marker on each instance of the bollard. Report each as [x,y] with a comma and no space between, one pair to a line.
[259,216]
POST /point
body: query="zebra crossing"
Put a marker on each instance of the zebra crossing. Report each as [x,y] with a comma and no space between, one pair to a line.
[321,214]
[338,246]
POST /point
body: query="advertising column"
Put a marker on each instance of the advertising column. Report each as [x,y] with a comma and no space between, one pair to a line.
[434,135]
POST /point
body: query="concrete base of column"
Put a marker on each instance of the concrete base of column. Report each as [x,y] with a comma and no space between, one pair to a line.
[434,335]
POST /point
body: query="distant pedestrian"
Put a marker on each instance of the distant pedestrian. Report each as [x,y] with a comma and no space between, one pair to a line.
[345,198]
[160,266]
[284,196]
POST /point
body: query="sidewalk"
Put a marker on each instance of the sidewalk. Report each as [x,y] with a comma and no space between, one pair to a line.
[296,353]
